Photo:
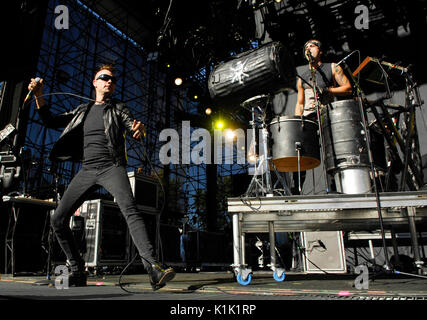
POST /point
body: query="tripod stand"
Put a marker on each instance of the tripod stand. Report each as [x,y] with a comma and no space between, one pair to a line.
[261,183]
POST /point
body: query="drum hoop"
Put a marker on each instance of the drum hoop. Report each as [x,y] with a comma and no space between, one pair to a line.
[343,102]
[292,119]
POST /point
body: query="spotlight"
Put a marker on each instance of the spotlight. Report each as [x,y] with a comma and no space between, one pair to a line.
[208,111]
[229,135]
[252,158]
[178,81]
[219,124]
[194,93]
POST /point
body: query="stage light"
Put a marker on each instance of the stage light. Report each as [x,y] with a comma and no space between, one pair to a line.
[219,124]
[229,134]
[208,111]
[178,81]
[194,93]
[278,1]
[252,158]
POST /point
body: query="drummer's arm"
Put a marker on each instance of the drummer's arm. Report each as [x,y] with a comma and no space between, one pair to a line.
[299,108]
[343,85]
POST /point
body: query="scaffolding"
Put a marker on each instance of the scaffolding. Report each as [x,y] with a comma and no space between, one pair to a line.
[67,62]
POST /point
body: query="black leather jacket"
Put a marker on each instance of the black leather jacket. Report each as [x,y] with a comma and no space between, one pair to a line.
[69,147]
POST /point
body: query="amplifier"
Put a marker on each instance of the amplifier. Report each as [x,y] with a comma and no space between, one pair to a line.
[146,191]
[264,70]
[106,235]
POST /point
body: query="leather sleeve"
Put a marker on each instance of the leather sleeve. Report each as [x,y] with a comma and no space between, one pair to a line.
[55,121]
[126,116]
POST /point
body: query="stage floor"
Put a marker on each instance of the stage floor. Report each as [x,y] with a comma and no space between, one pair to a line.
[222,286]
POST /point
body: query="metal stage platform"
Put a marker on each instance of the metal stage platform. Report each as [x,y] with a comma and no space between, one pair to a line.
[333,212]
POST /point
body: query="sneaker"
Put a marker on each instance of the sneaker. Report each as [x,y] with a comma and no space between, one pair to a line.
[160,275]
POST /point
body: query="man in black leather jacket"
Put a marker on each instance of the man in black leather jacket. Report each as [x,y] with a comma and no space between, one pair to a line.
[95,134]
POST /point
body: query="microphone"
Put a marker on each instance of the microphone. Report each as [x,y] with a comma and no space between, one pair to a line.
[308,55]
[31,91]
[345,58]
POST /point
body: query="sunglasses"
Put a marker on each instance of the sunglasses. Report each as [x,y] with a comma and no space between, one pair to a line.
[107,77]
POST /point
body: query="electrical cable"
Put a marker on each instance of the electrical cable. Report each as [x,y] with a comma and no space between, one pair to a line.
[302,250]
[409,274]
[157,219]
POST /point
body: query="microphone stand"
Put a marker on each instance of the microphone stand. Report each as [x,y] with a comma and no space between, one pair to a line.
[361,99]
[317,104]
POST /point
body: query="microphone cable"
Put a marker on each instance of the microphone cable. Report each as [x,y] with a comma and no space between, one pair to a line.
[159,242]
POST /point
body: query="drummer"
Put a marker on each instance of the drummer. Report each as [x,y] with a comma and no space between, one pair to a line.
[330,82]
[329,77]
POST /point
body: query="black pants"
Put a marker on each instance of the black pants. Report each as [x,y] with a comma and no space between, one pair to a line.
[115,180]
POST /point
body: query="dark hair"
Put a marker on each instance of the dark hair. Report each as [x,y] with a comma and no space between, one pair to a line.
[313,41]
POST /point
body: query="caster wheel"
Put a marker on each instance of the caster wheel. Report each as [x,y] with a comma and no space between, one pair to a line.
[277,278]
[244,282]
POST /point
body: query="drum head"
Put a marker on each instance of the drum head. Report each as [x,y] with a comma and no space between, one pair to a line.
[290,163]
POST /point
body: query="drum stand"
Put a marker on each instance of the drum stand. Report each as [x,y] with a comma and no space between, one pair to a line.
[261,183]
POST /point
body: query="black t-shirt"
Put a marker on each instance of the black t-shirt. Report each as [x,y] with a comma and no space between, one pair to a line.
[95,148]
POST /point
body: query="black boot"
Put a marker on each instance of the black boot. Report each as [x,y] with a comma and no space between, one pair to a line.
[77,276]
[159,275]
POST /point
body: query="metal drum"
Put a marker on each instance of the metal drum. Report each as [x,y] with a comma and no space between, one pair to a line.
[345,147]
[290,136]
